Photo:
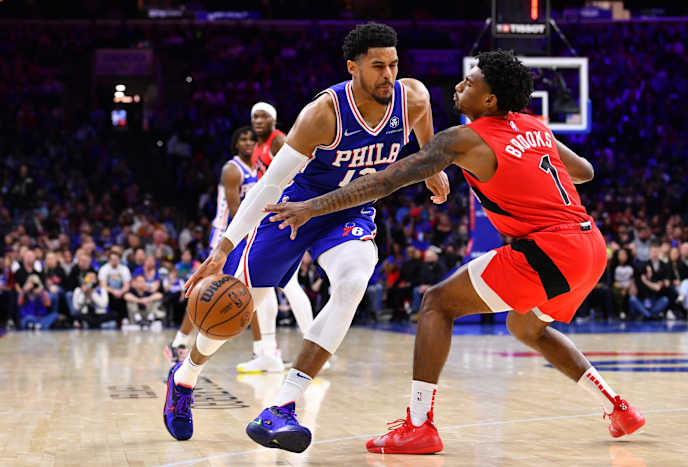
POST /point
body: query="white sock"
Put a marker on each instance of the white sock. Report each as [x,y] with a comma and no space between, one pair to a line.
[292,388]
[187,374]
[182,339]
[422,401]
[258,347]
[592,382]
[269,344]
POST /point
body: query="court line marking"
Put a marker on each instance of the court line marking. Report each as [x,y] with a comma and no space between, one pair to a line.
[444,428]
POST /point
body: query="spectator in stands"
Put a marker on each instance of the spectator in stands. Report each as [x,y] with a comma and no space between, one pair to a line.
[90,302]
[114,278]
[34,304]
[149,271]
[139,259]
[623,279]
[54,277]
[27,267]
[431,273]
[651,279]
[643,238]
[143,304]
[158,248]
[399,296]
[133,244]
[75,278]
[186,266]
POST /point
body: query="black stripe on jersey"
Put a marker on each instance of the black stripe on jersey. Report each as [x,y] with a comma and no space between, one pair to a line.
[489,204]
[551,277]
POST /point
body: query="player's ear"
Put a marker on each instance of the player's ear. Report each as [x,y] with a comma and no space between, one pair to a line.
[352,66]
[491,101]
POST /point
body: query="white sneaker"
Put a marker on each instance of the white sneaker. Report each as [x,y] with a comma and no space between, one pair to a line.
[670,316]
[269,363]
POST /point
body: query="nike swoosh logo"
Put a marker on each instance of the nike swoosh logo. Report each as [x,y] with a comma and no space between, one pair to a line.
[348,133]
[301,375]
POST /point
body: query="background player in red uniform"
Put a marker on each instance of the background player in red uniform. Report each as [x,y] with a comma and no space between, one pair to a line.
[524,179]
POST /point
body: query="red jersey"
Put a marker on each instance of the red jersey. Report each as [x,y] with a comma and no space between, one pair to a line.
[531,189]
[262,157]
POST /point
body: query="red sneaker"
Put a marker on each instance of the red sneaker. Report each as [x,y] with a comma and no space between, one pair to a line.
[625,419]
[404,438]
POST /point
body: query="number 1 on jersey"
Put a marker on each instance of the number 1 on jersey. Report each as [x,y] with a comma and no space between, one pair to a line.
[547,166]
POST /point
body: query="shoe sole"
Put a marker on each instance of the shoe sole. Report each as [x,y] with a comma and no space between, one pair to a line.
[401,450]
[242,370]
[640,423]
[288,441]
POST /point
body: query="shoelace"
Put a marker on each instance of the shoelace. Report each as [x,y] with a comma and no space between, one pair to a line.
[283,412]
[398,424]
[183,405]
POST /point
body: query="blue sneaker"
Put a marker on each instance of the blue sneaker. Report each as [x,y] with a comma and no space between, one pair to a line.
[276,427]
[176,413]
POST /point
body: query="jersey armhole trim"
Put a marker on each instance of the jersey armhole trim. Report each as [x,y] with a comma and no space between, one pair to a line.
[236,164]
[338,133]
[404,114]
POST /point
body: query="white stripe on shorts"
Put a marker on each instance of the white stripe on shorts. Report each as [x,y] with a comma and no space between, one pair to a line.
[489,296]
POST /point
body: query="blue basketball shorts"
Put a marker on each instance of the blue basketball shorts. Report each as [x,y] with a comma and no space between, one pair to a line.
[267,257]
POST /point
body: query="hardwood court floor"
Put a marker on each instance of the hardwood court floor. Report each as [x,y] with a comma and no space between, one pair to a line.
[95,398]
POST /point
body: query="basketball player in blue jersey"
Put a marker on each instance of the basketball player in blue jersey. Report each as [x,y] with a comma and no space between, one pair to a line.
[238,176]
[350,130]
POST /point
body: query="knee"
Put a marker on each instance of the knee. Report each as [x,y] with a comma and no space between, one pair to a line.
[434,303]
[517,325]
[350,288]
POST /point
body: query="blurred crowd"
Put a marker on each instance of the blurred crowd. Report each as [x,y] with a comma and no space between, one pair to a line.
[101,227]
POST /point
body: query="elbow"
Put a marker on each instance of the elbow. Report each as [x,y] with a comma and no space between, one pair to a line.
[589,175]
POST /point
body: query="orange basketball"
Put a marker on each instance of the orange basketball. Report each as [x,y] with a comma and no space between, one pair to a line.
[220,306]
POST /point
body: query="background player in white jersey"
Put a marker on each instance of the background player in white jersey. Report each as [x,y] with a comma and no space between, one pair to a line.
[238,176]
[351,129]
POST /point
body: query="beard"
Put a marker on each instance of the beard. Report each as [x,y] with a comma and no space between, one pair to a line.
[382,100]
[378,99]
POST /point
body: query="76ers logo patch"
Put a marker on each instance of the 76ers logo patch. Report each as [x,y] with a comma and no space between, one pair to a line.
[394,122]
[350,228]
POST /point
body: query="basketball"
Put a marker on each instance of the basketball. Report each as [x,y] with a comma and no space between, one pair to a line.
[220,306]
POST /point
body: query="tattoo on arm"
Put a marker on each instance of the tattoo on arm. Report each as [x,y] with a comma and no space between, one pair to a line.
[433,157]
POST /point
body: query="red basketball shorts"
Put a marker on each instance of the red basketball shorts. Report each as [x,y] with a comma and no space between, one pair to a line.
[549,272]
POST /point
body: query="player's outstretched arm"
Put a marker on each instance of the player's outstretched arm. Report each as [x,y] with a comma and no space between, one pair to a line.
[441,151]
[420,115]
[579,169]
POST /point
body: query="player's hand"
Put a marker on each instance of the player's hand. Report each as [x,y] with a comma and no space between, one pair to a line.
[292,215]
[439,185]
[212,265]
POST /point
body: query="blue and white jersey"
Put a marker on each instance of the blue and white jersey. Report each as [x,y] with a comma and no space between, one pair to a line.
[357,149]
[249,177]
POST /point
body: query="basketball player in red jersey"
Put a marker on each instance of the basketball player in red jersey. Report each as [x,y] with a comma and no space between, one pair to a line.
[270,139]
[525,180]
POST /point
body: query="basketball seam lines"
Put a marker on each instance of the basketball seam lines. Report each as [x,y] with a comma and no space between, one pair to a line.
[215,302]
[230,318]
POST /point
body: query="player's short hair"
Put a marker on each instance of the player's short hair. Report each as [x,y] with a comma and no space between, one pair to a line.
[509,79]
[365,36]
[237,134]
